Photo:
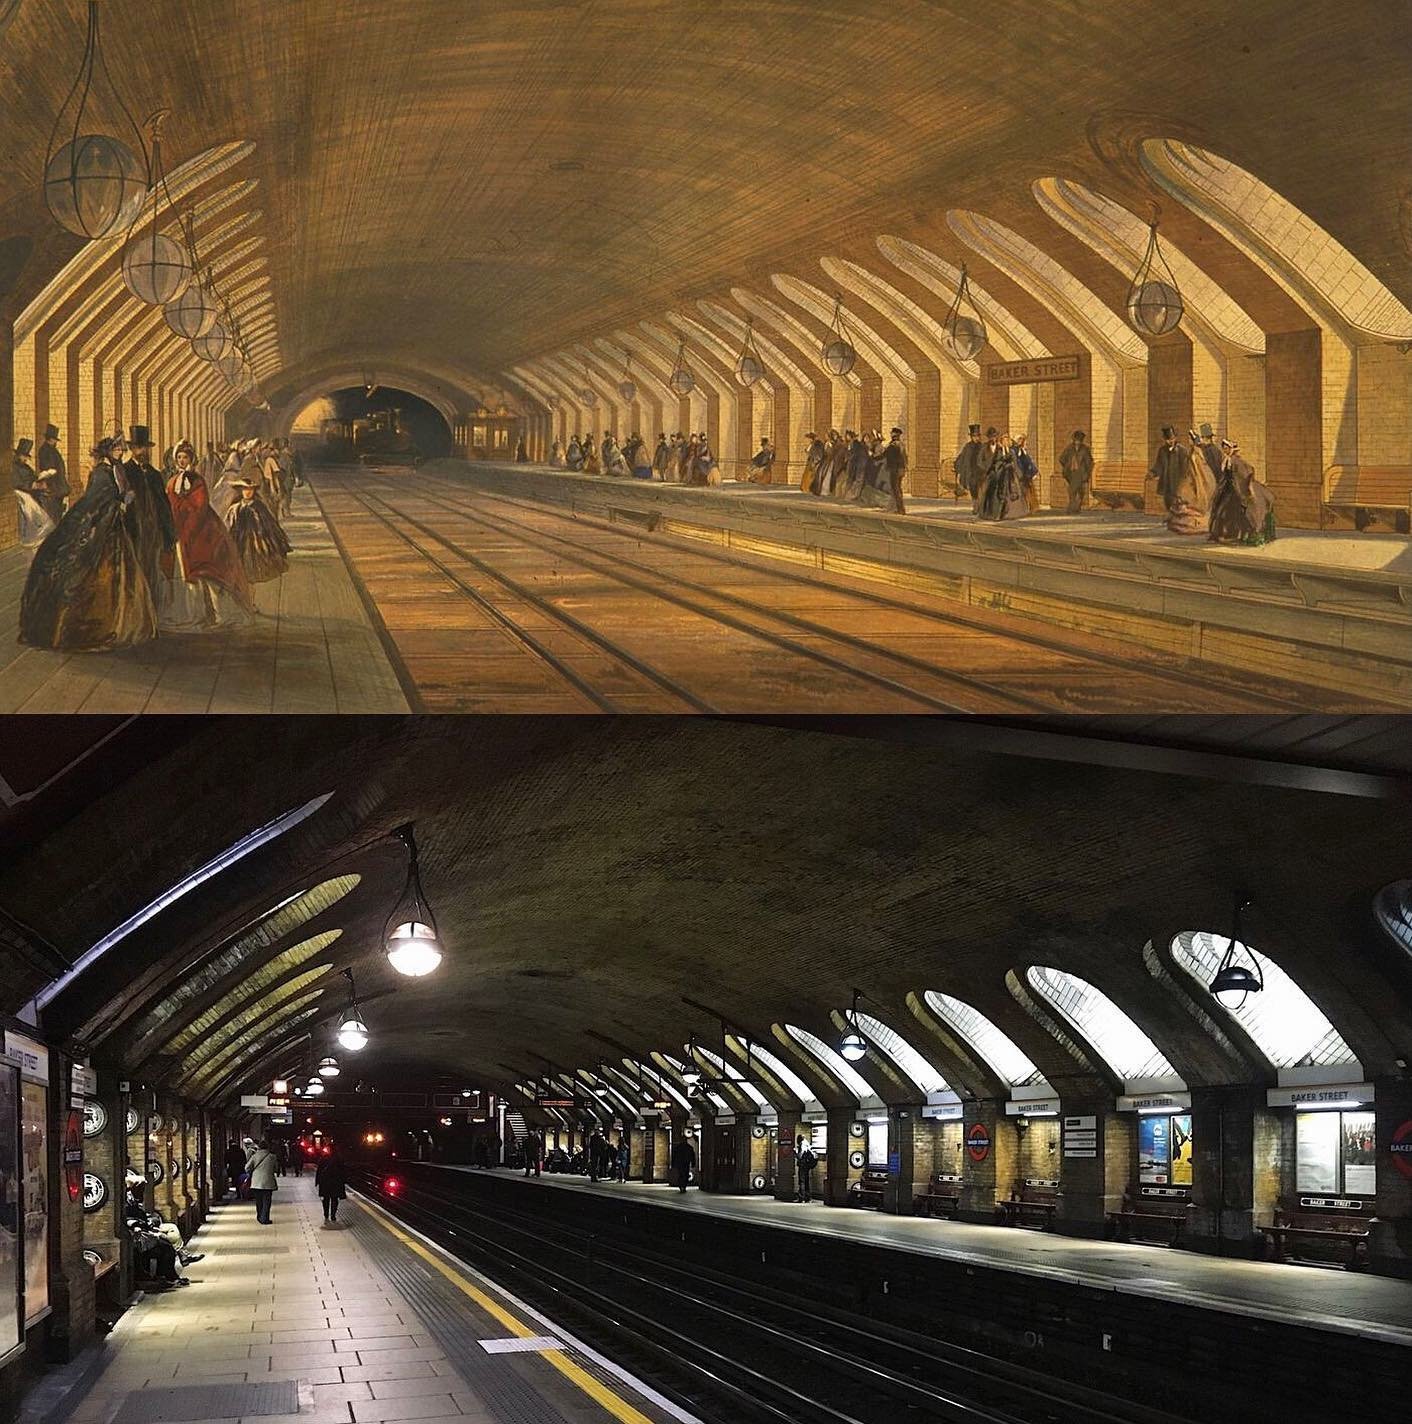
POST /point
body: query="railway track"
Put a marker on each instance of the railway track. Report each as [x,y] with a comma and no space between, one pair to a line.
[736,1351]
[816,659]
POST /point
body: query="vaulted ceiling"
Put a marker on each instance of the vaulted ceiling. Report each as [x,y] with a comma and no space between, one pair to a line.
[591,876]
[484,183]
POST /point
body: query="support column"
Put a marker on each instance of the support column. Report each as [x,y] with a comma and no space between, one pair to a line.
[71,1323]
[647,1167]
[1237,1153]
[909,1160]
[9,512]
[1294,425]
[1169,401]
[870,402]
[786,1176]
[989,1158]
[838,1172]
[1073,410]
[1092,1187]
[1390,1244]
[744,1138]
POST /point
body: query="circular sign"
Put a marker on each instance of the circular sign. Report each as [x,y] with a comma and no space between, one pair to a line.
[757,1131]
[857,1129]
[132,1120]
[154,1170]
[95,1192]
[174,1167]
[173,1125]
[186,1161]
[1401,1149]
[757,1182]
[92,1257]
[857,1159]
[154,1122]
[978,1142]
[95,1118]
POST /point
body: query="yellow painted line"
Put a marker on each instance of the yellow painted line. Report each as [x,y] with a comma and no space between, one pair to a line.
[572,1371]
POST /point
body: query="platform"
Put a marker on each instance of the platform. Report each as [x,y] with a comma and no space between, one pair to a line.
[1375,1308]
[1328,608]
[356,1324]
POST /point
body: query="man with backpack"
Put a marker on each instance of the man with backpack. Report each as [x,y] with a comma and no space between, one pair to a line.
[805,1161]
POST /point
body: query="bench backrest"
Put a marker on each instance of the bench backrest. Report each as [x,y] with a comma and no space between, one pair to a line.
[873,1177]
[1134,1201]
[945,1182]
[1387,485]
[1038,1193]
[1354,1222]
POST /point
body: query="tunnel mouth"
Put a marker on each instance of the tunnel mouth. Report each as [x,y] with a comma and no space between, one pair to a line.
[372,427]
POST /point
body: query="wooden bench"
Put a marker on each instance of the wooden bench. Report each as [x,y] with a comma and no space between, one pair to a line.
[1318,1239]
[1119,484]
[942,1197]
[1150,1219]
[1032,1206]
[867,1191]
[1367,495]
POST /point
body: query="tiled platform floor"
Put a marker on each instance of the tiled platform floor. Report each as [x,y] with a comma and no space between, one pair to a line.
[300,1302]
[1338,1301]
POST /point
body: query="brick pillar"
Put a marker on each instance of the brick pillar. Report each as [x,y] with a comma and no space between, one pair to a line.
[9,513]
[783,432]
[1073,410]
[870,399]
[993,400]
[909,1160]
[1237,1156]
[994,1175]
[745,445]
[139,1141]
[837,1172]
[786,1177]
[1294,425]
[185,1153]
[169,1199]
[1390,1245]
[706,1148]
[1091,1187]
[744,1139]
[647,1167]
[71,1285]
[1169,401]
[924,443]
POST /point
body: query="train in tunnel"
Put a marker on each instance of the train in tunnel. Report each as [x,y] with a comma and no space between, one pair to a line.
[379,438]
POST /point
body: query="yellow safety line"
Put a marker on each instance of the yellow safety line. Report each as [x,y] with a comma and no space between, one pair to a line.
[571,1370]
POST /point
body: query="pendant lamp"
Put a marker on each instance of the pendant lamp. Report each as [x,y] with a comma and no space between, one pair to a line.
[965,334]
[748,365]
[155,266]
[1155,305]
[410,936]
[681,380]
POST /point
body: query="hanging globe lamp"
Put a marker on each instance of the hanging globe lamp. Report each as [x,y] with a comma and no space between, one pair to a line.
[681,380]
[964,333]
[155,267]
[410,937]
[748,365]
[213,344]
[1155,306]
[839,355]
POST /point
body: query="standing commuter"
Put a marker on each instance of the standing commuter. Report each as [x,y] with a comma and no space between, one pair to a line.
[261,1164]
[1076,465]
[235,1166]
[330,1180]
[597,1146]
[624,1157]
[805,1162]
[683,1161]
[533,1153]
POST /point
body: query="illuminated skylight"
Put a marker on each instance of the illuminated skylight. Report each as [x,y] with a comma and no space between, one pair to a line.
[1121,1044]
[834,1064]
[778,1068]
[1001,1053]
[907,1058]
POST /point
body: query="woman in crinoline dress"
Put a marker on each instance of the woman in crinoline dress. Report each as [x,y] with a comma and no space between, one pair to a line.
[35,525]
[1002,496]
[86,590]
[210,586]
[263,546]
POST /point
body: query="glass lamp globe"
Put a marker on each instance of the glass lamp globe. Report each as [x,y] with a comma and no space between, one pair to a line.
[964,338]
[230,366]
[627,389]
[353,1033]
[851,1045]
[1155,308]
[413,949]
[94,186]
[1232,983]
[839,356]
[589,396]
[328,1068]
[748,370]
[155,269]
[315,1088]
[213,344]
[682,381]
[691,1075]
[193,313]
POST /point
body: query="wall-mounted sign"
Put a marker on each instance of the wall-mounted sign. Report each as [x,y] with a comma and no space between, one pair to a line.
[1328,1095]
[1155,1102]
[95,1117]
[73,1153]
[83,1082]
[131,1120]
[32,1056]
[154,1170]
[1332,1203]
[757,1131]
[757,1182]
[95,1192]
[154,1122]
[1023,373]
[279,1088]
[1019,1107]
[857,1129]
[1179,1192]
[1081,1135]
[186,1162]
[978,1142]
[559,1102]
[857,1159]
[1401,1148]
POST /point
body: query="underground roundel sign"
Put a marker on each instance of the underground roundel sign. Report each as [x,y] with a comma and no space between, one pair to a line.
[978,1142]
[1401,1149]
[95,1191]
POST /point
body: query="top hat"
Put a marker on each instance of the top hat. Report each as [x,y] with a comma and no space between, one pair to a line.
[240,483]
[991,432]
[975,429]
[51,432]
[139,437]
[23,447]
[1168,433]
[896,430]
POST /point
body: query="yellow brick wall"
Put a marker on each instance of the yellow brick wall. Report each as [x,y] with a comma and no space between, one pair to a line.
[1384,405]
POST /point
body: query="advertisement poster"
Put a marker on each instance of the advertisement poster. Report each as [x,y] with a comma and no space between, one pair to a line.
[1154,1149]
[1316,1152]
[9,1209]
[1181,1150]
[1360,1162]
[34,1136]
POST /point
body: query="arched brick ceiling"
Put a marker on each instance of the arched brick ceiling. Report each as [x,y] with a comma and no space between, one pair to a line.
[496,181]
[589,873]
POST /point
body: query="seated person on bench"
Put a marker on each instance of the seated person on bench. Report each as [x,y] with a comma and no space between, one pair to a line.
[138,1217]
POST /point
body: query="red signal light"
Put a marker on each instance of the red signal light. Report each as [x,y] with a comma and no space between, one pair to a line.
[391,1186]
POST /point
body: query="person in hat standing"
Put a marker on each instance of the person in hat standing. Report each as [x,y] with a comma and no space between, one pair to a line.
[52,481]
[964,465]
[259,540]
[1175,472]
[34,524]
[21,471]
[87,590]
[210,586]
[813,462]
[1076,465]
[1242,509]
[894,470]
[150,516]
[661,457]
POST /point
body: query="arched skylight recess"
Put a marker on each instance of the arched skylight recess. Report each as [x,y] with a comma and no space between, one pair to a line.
[1287,1026]
[730,1071]
[1393,906]
[834,1065]
[1001,1054]
[1121,1044]
[654,1077]
[927,1078]
[781,1070]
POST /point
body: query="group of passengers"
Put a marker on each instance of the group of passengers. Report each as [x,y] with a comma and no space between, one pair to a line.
[600,1159]
[856,467]
[144,550]
[683,460]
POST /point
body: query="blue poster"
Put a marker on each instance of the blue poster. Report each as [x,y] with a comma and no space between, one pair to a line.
[1154,1149]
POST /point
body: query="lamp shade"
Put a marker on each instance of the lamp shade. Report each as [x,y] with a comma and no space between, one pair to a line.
[193,313]
[1232,983]
[851,1045]
[213,344]
[1155,308]
[749,369]
[328,1067]
[413,949]
[94,186]
[314,1088]
[155,268]
[353,1032]
[964,337]
[839,356]
[682,381]
[589,396]
[230,366]
[627,389]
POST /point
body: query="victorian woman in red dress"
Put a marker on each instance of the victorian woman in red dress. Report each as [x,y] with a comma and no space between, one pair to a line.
[209,571]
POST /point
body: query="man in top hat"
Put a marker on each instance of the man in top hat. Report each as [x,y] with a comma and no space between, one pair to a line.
[894,467]
[1076,465]
[1172,470]
[966,464]
[150,515]
[52,481]
[813,462]
[23,471]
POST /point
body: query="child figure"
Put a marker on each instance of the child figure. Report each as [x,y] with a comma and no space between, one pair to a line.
[263,545]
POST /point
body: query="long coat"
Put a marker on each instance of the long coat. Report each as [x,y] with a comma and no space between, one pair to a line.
[331,1179]
[262,1165]
[207,550]
[150,521]
[1242,510]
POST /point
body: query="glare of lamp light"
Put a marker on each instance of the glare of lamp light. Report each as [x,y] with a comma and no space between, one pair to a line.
[413,949]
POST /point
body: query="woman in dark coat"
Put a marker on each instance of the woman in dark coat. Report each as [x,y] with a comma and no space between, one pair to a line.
[331,1179]
[1002,496]
[1242,509]
[261,543]
[86,589]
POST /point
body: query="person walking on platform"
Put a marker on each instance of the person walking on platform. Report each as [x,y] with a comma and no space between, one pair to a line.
[683,1161]
[235,1166]
[804,1162]
[331,1181]
[261,1164]
[964,465]
[282,1157]
[661,457]
[597,1154]
[1076,465]
[534,1153]
[624,1157]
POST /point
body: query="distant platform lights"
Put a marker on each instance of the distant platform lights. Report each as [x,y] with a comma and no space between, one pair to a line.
[94,183]
[156,268]
[838,352]
[328,1067]
[964,331]
[1155,306]
[410,937]
[748,365]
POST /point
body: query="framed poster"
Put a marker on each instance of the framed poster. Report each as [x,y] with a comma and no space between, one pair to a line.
[1316,1152]
[1181,1150]
[11,1205]
[34,1164]
[1154,1149]
[1360,1161]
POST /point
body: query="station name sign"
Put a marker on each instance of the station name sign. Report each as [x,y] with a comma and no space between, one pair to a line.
[1332,1203]
[1320,1095]
[1032,371]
